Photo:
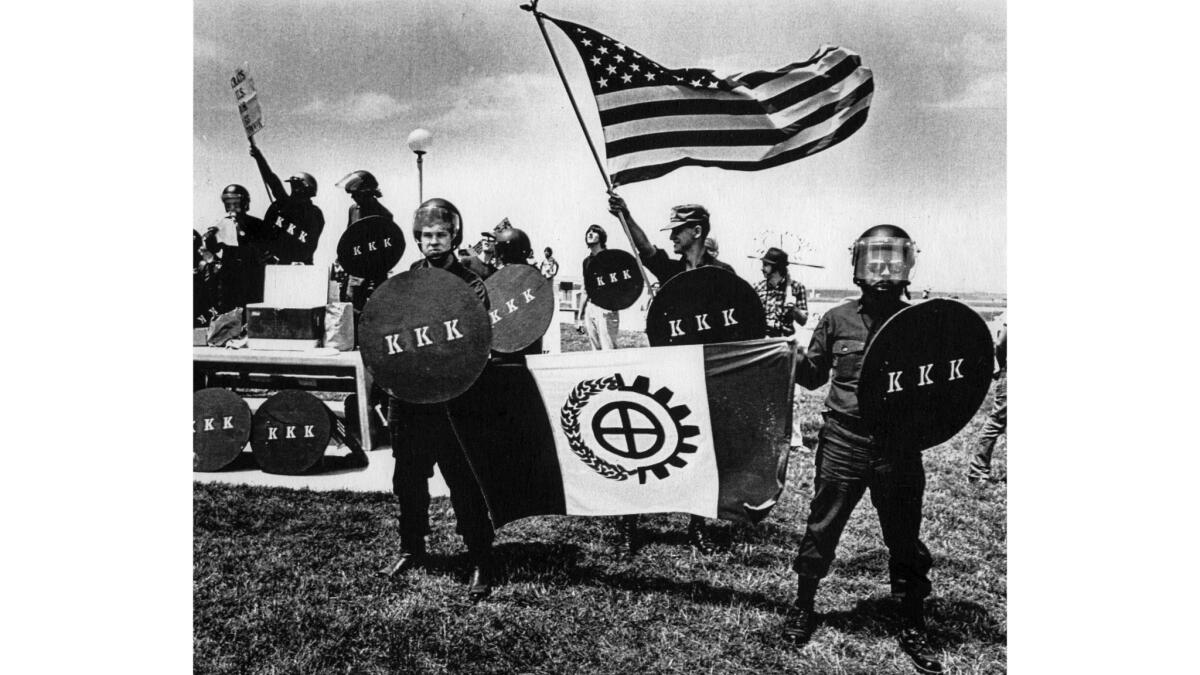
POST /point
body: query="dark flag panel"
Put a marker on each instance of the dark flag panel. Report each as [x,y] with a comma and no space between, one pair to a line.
[506,431]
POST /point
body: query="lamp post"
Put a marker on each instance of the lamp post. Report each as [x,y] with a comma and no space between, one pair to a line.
[419,141]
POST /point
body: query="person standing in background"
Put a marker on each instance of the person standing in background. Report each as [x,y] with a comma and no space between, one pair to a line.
[600,325]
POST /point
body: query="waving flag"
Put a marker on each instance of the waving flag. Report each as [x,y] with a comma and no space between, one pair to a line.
[700,429]
[658,119]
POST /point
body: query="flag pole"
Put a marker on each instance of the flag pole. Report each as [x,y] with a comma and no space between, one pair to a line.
[532,9]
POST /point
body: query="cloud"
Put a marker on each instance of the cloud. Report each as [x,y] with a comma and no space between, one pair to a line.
[508,100]
[357,108]
[207,50]
[987,91]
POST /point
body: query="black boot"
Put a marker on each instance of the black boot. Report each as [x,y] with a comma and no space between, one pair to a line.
[412,556]
[801,619]
[698,538]
[913,639]
[482,576]
[627,536]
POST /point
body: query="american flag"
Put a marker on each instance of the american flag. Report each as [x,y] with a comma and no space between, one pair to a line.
[657,119]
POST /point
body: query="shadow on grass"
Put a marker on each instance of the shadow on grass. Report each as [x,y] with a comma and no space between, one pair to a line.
[950,622]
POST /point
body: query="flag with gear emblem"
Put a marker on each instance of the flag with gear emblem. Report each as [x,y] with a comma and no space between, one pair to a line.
[700,429]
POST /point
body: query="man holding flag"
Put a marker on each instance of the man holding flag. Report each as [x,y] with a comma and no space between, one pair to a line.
[689,227]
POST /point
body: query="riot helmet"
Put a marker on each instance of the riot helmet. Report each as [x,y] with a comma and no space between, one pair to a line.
[513,246]
[233,196]
[360,181]
[883,254]
[307,181]
[438,211]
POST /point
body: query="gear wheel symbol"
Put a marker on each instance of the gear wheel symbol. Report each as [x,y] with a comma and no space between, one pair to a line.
[634,427]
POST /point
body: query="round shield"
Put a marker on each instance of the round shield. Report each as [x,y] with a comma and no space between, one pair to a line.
[292,242]
[704,306]
[613,279]
[220,428]
[522,307]
[290,432]
[925,373]
[370,247]
[425,336]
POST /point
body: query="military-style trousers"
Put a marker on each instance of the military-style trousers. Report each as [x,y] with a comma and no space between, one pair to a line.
[848,464]
[997,423]
[422,436]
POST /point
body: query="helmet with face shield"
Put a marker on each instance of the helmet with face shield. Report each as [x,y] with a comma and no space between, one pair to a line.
[884,254]
[438,211]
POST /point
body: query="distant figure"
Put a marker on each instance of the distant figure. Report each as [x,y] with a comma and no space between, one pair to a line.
[481,258]
[925,294]
[549,266]
[980,468]
[600,325]
[786,304]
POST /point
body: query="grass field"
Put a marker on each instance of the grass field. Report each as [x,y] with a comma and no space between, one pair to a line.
[284,583]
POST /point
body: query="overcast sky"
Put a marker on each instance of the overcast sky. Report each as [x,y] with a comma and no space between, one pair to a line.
[342,83]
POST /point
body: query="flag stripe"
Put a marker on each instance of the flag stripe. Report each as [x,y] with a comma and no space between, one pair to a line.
[736,137]
[756,78]
[744,105]
[776,120]
[646,172]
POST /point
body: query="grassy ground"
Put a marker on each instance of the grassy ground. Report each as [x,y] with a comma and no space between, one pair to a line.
[284,583]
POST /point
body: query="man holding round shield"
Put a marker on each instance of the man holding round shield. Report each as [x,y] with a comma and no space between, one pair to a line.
[423,435]
[689,226]
[852,459]
[363,188]
[599,324]
[297,208]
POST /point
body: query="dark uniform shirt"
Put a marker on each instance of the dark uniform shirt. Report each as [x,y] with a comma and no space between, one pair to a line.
[664,268]
[304,224]
[838,344]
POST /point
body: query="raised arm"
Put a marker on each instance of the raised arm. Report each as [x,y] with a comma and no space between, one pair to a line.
[274,185]
[617,206]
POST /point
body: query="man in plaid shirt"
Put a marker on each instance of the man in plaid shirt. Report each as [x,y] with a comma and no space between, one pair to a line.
[785,301]
[783,298]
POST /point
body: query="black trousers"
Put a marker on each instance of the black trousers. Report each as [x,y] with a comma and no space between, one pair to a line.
[422,436]
[848,464]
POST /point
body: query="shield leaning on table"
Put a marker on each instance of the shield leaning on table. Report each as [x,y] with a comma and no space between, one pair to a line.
[522,306]
[925,373]
[613,280]
[220,428]
[290,432]
[706,305]
[425,336]
[370,247]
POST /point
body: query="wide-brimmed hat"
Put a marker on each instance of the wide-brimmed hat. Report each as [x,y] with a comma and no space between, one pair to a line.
[774,256]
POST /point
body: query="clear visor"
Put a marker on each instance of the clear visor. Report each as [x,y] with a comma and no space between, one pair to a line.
[436,215]
[884,259]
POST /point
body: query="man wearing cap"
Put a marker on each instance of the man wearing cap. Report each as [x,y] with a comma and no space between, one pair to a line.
[785,301]
[689,227]
[296,215]
[599,324]
[481,258]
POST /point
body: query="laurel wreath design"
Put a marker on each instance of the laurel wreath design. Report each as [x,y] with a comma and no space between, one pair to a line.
[570,424]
